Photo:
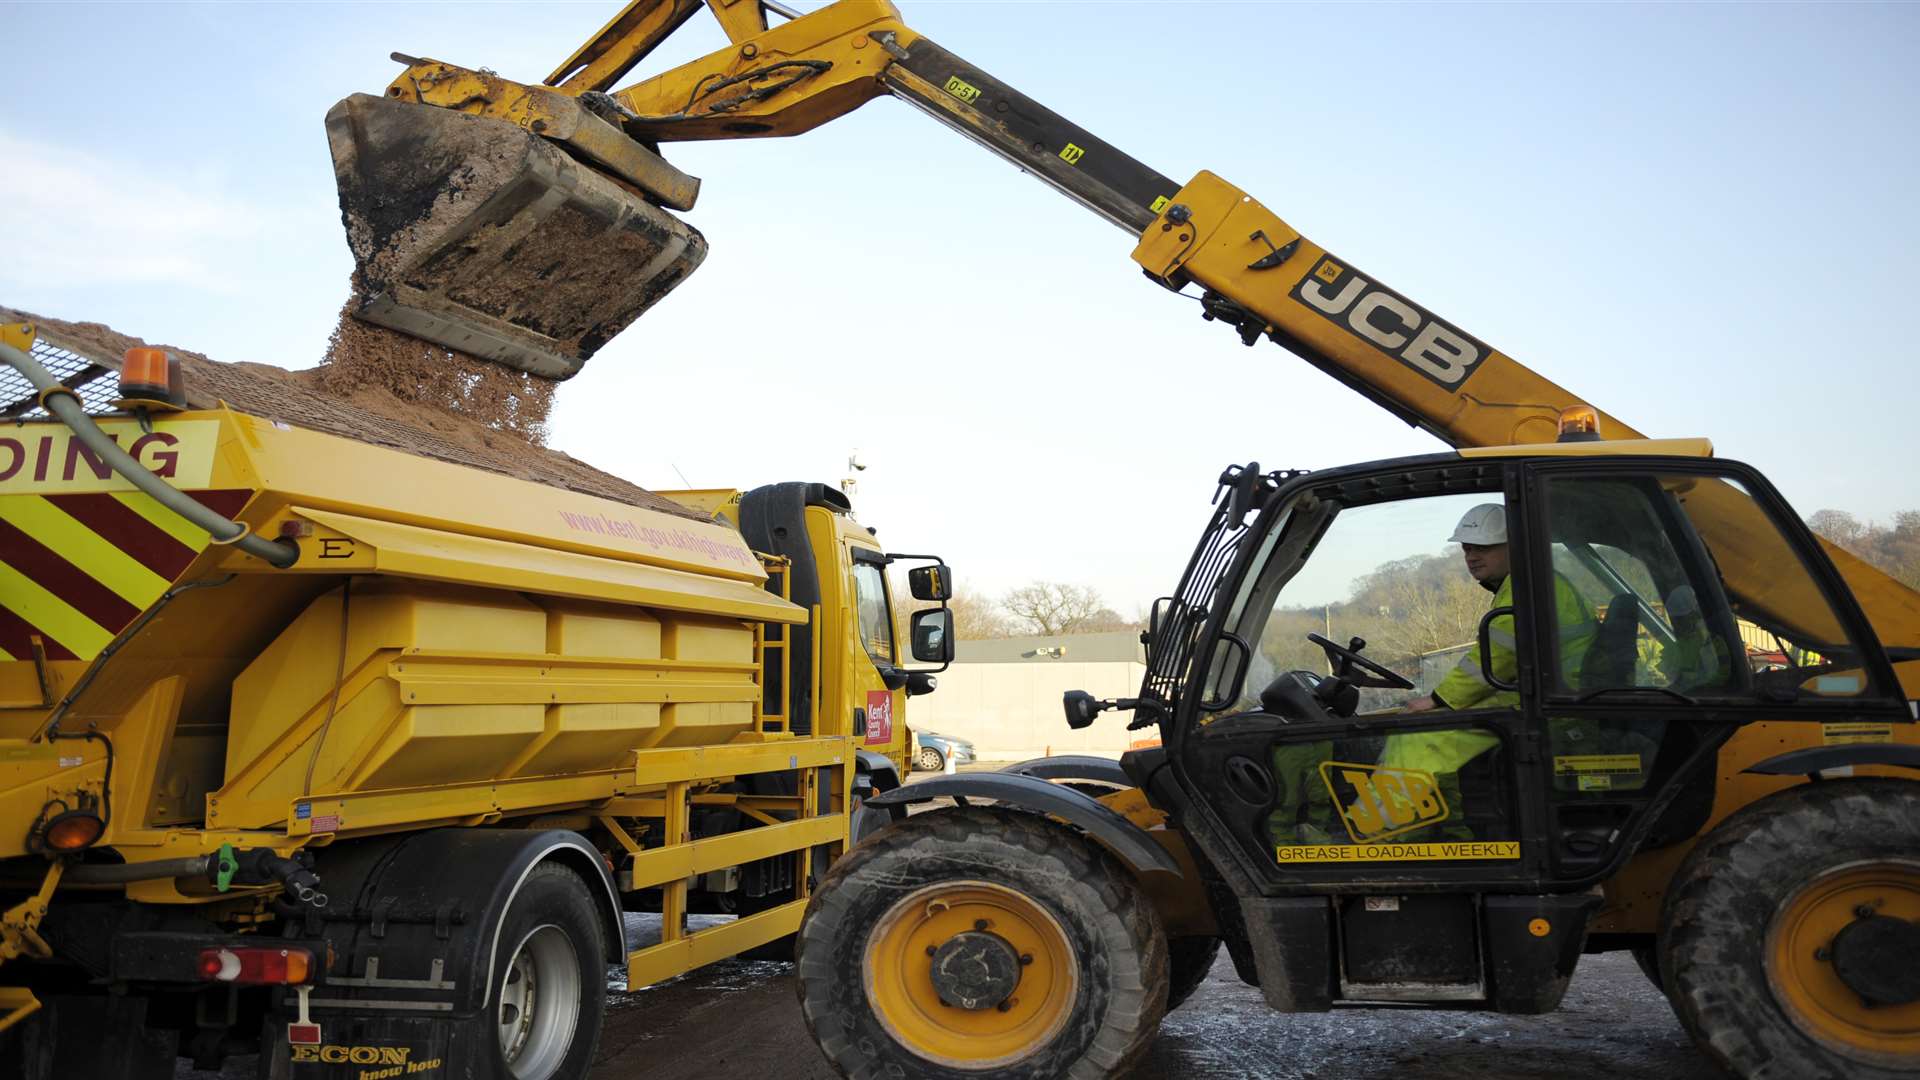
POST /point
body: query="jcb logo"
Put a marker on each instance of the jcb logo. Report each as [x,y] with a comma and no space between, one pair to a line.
[1390,322]
[1376,803]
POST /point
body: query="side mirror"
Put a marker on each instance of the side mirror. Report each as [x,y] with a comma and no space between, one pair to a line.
[931,582]
[1229,671]
[1081,707]
[932,634]
[1483,638]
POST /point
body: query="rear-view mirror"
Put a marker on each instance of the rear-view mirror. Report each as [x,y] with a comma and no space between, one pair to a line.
[930,583]
[932,636]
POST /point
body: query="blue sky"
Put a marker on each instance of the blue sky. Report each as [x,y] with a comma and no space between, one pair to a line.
[1700,217]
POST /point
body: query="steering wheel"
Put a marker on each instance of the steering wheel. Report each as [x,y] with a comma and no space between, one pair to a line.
[1344,659]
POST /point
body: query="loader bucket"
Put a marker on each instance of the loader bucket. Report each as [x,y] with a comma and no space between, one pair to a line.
[474,234]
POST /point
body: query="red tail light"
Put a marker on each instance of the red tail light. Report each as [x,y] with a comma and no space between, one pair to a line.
[256,965]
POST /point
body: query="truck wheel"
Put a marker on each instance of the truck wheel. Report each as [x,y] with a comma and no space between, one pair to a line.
[1790,934]
[969,942]
[1189,961]
[549,990]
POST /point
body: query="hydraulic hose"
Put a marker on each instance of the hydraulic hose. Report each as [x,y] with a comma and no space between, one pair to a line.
[121,873]
[64,404]
[254,866]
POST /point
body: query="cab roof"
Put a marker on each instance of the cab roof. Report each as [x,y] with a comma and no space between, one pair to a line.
[1696,448]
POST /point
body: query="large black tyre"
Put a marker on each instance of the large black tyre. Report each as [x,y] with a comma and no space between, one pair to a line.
[544,1010]
[1751,918]
[1189,961]
[1088,989]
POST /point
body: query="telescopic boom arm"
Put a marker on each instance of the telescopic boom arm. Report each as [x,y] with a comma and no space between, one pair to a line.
[1255,272]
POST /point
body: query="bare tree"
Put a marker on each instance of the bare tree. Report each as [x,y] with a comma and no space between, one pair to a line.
[1107,620]
[1894,549]
[1049,607]
[1423,616]
[1838,526]
[975,616]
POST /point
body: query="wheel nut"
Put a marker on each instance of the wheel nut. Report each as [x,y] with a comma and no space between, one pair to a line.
[981,924]
[1823,953]
[1025,959]
[932,950]
[1863,911]
[1005,1005]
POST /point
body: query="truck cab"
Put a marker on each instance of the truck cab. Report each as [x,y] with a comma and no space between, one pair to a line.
[848,675]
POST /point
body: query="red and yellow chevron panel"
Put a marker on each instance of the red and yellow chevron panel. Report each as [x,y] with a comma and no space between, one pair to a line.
[76,568]
[81,552]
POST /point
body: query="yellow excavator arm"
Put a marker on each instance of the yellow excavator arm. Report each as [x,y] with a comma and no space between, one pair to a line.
[1254,271]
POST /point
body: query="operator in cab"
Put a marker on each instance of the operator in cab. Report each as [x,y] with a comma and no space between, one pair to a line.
[1482,536]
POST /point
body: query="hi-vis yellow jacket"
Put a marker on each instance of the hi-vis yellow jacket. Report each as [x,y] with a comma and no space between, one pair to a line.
[1466,688]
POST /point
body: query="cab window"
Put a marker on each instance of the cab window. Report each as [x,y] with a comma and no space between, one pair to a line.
[1385,572]
[1650,554]
[870,600]
[1658,620]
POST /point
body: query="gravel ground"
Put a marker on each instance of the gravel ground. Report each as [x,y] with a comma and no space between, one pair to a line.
[739,1019]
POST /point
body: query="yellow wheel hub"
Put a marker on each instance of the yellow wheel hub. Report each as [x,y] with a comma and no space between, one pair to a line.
[1026,974]
[1806,969]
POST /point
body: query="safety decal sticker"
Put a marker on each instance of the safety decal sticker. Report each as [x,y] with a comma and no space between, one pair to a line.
[1377,802]
[1072,154]
[1437,852]
[1596,763]
[1391,323]
[1855,732]
[316,824]
[962,89]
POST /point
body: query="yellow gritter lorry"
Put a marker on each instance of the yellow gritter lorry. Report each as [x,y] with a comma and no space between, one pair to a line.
[358,758]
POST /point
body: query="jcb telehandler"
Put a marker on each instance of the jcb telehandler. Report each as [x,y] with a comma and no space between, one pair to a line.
[529,223]
[1742,831]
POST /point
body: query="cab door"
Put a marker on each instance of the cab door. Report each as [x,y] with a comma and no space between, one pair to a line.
[878,683]
[1314,783]
[1672,666]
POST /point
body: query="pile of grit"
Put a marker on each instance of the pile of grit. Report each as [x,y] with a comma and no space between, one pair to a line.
[385,389]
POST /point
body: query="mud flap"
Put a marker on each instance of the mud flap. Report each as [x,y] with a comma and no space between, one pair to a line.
[471,233]
[413,931]
[372,1047]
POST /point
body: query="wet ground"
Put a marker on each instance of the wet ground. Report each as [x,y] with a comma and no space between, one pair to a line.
[739,1019]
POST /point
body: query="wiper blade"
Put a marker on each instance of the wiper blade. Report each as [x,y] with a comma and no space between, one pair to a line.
[1667,691]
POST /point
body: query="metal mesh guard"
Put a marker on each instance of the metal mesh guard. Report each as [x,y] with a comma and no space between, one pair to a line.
[94,382]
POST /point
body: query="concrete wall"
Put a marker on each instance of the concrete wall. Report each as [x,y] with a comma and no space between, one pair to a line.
[1011,711]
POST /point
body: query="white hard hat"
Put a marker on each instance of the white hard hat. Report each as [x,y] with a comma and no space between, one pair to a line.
[1484,524]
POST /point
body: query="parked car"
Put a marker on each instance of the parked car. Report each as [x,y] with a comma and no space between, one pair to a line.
[932,751]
